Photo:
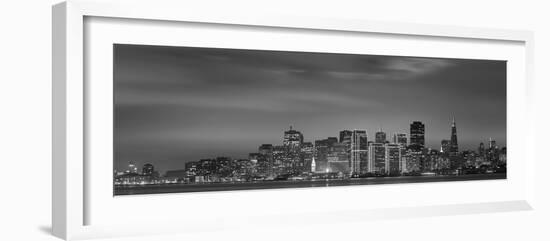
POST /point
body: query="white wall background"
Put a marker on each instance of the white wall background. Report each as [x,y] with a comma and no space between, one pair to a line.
[25,121]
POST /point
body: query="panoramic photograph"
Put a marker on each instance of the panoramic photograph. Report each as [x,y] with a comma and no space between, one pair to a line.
[191,119]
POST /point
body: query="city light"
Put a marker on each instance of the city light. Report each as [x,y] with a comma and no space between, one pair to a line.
[350,156]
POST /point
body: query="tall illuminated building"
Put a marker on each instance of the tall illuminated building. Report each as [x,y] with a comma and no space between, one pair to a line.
[453,147]
[380,137]
[411,162]
[322,148]
[358,149]
[306,156]
[293,138]
[392,158]
[417,136]
[292,160]
[445,146]
[279,159]
[265,159]
[376,158]
[345,138]
[338,158]
[400,138]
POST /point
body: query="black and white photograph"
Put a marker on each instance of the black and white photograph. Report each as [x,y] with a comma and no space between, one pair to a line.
[193,119]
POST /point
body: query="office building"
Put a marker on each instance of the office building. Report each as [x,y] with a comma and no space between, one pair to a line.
[392,162]
[445,146]
[380,137]
[376,158]
[417,139]
[345,136]
[358,150]
[306,156]
[337,158]
[400,138]
[293,139]
[453,149]
[321,152]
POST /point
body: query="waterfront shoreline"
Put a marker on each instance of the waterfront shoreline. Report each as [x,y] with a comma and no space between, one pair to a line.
[236,186]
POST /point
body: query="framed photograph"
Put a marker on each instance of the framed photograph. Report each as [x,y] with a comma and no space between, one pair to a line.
[193,119]
[208,119]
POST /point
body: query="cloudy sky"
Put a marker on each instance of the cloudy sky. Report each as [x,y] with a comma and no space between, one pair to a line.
[180,104]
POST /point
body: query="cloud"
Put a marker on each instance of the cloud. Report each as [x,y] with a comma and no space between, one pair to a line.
[416,65]
[251,100]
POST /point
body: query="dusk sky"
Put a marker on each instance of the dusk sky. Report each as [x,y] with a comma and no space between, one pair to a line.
[178,104]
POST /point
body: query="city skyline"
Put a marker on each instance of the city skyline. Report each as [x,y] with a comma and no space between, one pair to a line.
[180,104]
[390,138]
[349,159]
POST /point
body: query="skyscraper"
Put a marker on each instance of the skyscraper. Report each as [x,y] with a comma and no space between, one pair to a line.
[376,158]
[322,148]
[358,150]
[293,138]
[380,136]
[338,158]
[411,162]
[417,136]
[306,156]
[345,139]
[265,159]
[445,146]
[292,142]
[392,158]
[400,138]
[279,159]
[453,149]
[345,136]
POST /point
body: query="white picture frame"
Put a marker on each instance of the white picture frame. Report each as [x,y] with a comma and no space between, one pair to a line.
[72,191]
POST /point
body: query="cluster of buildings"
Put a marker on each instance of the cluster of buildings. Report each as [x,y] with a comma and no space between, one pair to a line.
[351,154]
